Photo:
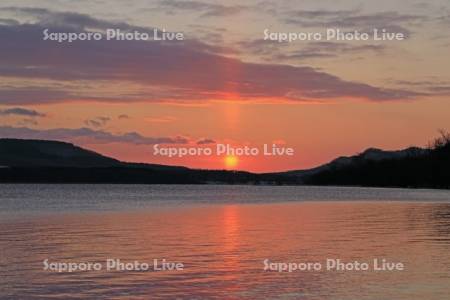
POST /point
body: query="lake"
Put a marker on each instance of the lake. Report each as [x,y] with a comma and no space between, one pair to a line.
[229,242]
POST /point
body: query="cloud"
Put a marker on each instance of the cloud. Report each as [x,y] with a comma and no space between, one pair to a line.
[69,20]
[262,47]
[87,135]
[210,34]
[97,122]
[27,122]
[205,9]
[171,72]
[205,141]
[445,19]
[275,51]
[18,111]
[329,50]
[9,21]
[31,95]
[432,86]
[354,19]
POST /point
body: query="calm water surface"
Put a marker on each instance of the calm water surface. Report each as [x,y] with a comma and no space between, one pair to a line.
[222,235]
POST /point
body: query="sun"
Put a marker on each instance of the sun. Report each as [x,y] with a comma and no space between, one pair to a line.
[231,161]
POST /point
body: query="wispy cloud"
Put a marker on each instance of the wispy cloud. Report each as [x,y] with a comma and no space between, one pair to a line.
[87,135]
[431,86]
[353,19]
[97,122]
[27,122]
[165,71]
[72,20]
[206,141]
[275,51]
[18,111]
[205,9]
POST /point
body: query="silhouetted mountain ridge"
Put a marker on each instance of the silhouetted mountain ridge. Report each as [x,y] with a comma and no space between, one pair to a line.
[370,154]
[411,167]
[35,153]
[60,162]
[44,153]
[43,161]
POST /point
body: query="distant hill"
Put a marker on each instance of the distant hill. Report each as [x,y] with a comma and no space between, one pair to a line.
[43,153]
[41,161]
[412,167]
[39,153]
[371,154]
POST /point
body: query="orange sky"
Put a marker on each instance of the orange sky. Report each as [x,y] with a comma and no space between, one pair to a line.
[316,132]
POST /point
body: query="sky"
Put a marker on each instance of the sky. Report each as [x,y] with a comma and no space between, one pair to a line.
[224,83]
